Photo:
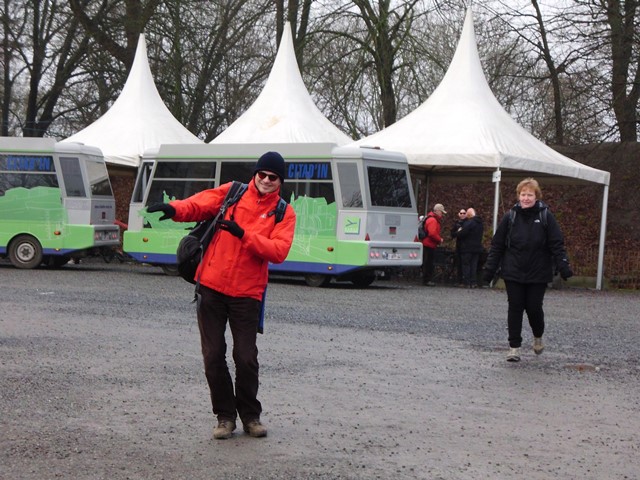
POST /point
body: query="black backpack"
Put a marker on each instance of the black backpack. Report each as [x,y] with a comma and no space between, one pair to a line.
[193,245]
[422,233]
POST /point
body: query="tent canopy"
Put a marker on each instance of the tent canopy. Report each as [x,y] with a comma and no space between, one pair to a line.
[284,111]
[137,120]
[462,127]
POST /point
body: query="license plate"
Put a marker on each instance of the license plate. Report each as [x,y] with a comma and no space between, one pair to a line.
[394,256]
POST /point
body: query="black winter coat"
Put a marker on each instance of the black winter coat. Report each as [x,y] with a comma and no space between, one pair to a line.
[529,252]
[470,235]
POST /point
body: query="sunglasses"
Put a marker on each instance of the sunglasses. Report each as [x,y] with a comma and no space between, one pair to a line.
[272,177]
[462,213]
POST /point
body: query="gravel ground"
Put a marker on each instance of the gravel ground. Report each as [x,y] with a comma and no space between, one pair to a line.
[101,378]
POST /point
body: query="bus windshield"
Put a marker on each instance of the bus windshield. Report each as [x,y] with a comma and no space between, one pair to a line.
[389,187]
[98,179]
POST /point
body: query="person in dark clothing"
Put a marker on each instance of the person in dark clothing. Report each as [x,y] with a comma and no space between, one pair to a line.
[527,245]
[469,237]
[462,216]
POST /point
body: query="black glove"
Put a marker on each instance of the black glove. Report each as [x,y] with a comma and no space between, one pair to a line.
[167,209]
[566,272]
[487,276]
[232,227]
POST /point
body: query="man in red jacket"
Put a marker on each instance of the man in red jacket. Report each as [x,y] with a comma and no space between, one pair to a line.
[233,277]
[432,225]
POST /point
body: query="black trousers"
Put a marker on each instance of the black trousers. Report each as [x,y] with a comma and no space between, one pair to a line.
[457,262]
[214,310]
[428,264]
[470,268]
[524,297]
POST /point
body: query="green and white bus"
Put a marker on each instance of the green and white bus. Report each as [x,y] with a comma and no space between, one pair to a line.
[356,212]
[56,202]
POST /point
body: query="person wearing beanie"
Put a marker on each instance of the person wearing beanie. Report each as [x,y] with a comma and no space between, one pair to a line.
[271,162]
[233,276]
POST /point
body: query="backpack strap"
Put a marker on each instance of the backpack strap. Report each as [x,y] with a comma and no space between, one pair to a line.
[512,219]
[280,209]
[234,194]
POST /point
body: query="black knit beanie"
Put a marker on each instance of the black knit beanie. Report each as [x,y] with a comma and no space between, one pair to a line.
[271,162]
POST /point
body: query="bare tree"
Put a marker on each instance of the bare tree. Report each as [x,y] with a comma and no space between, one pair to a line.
[51,51]
[13,28]
[297,14]
[218,62]
[623,21]
[106,20]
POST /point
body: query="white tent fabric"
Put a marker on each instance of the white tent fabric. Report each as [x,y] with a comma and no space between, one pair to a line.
[137,120]
[284,111]
[462,124]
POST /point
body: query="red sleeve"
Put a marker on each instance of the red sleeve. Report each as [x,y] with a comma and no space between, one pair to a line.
[200,206]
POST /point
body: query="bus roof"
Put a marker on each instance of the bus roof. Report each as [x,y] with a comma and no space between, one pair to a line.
[288,150]
[45,145]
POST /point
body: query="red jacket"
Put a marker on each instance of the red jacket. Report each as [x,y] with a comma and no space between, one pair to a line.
[233,266]
[432,227]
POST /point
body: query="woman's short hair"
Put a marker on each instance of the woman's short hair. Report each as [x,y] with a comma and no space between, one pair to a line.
[531,183]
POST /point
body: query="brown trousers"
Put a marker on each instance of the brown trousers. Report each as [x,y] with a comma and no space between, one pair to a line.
[214,311]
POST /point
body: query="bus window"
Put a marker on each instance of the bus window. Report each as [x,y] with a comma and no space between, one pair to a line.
[241,171]
[350,185]
[35,172]
[142,182]
[389,187]
[72,176]
[176,189]
[179,180]
[186,170]
[98,179]
[310,188]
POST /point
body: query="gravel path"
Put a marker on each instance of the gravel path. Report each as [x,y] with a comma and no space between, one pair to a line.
[101,378]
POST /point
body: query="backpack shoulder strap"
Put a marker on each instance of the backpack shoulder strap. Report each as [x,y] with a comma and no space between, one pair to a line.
[235,192]
[512,219]
[280,209]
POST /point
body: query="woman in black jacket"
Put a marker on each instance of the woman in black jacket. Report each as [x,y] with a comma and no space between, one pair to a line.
[527,245]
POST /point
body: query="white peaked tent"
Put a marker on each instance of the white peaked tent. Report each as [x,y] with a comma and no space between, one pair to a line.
[137,120]
[462,128]
[284,111]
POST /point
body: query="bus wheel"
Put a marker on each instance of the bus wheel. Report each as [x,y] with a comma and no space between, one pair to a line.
[364,280]
[317,280]
[170,270]
[25,252]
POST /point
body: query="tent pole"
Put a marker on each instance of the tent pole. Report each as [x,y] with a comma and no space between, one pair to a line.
[426,197]
[496,199]
[603,225]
